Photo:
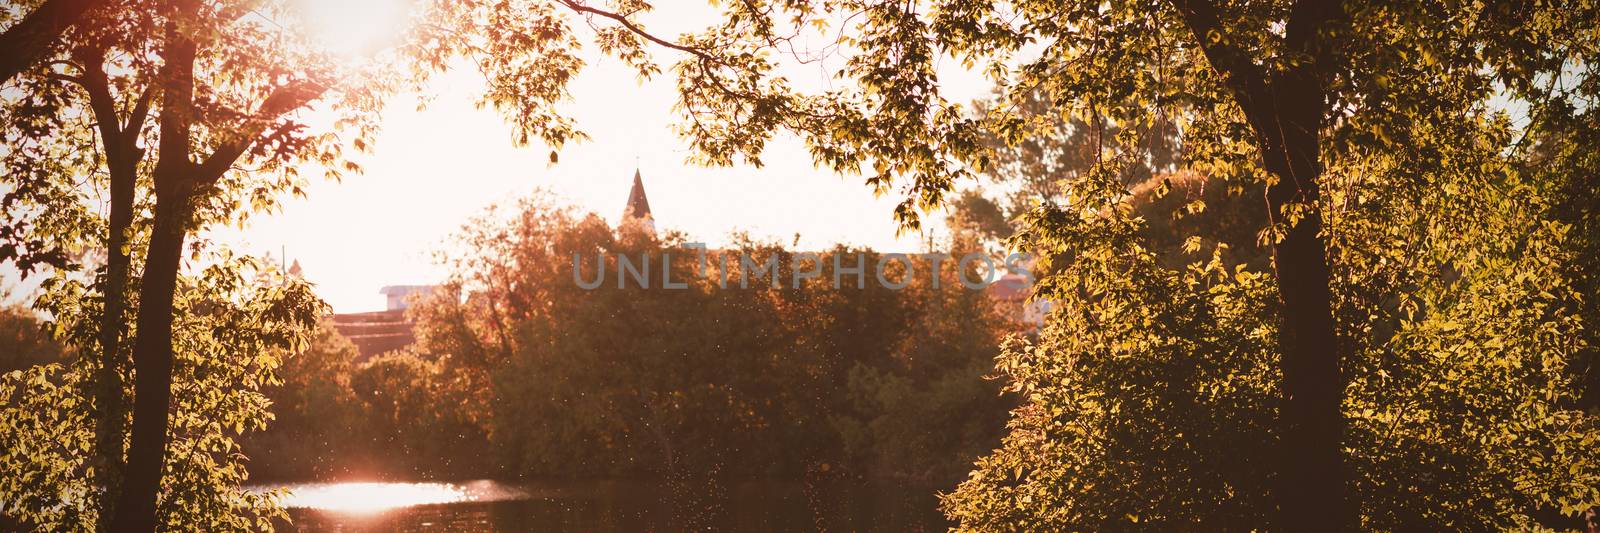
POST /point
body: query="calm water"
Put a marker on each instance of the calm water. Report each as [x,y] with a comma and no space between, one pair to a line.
[604,506]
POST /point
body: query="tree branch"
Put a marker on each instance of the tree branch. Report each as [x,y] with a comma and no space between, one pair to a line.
[100,100]
[282,100]
[1243,76]
[141,111]
[75,80]
[29,39]
[623,20]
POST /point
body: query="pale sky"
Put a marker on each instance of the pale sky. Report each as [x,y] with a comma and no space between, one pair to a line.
[432,169]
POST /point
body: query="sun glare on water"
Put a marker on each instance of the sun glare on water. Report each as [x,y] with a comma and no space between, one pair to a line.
[372,497]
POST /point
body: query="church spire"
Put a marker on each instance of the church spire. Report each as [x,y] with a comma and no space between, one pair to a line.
[638,208]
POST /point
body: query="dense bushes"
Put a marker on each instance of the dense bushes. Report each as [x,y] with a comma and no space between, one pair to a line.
[532,375]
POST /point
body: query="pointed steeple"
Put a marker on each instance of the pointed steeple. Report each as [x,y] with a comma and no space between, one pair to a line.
[638,209]
[638,206]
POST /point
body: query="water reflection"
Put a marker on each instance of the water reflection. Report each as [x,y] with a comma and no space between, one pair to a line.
[603,506]
[368,498]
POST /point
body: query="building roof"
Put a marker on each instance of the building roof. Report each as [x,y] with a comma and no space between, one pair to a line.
[392,290]
[638,206]
[1010,287]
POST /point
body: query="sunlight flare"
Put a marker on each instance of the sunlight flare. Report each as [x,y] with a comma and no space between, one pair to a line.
[373,497]
[352,29]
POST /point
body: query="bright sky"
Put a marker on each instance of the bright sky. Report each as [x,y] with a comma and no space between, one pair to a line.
[432,169]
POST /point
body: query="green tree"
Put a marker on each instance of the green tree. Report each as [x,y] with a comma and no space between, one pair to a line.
[229,86]
[1065,144]
[231,329]
[712,382]
[318,429]
[1151,408]
[927,411]
[1150,400]
[118,107]
[419,420]
[1559,148]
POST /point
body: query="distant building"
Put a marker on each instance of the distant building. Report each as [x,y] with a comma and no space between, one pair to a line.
[637,212]
[1011,293]
[375,332]
[400,296]
[378,332]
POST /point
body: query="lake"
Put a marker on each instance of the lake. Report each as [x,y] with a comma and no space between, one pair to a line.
[603,506]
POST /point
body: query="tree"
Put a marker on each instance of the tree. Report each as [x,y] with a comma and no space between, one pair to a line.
[695,386]
[1558,148]
[119,126]
[233,325]
[1059,145]
[110,150]
[318,429]
[418,416]
[976,218]
[229,85]
[254,123]
[1150,399]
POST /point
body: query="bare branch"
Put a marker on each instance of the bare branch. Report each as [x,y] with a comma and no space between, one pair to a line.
[76,80]
[623,20]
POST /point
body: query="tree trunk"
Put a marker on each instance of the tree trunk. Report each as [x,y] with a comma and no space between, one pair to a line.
[110,426]
[177,177]
[1313,484]
[1284,106]
[152,360]
[122,162]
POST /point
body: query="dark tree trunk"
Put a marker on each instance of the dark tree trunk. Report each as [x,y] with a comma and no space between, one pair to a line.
[135,511]
[1285,105]
[152,359]
[122,160]
[1313,484]
[177,177]
[110,427]
[27,41]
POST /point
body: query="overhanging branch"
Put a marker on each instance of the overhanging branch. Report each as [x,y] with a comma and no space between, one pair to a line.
[623,20]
